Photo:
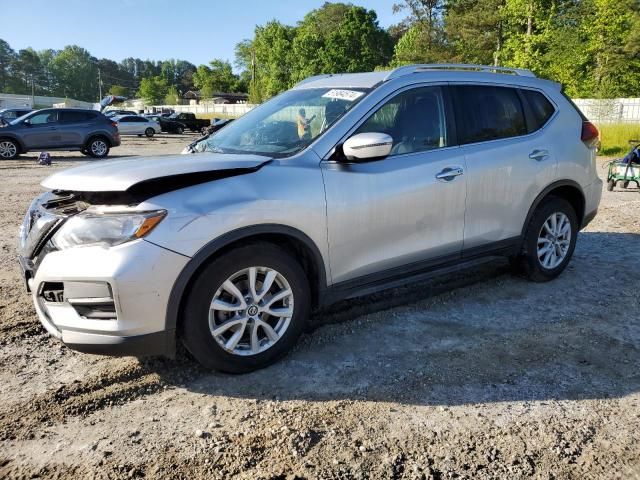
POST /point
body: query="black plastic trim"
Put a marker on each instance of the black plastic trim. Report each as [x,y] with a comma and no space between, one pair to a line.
[545,192]
[158,343]
[418,271]
[205,253]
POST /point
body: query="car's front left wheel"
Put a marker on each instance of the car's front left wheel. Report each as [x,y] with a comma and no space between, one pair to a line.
[246,309]
[8,149]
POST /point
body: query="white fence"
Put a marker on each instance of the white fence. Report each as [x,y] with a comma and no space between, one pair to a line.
[227,109]
[614,110]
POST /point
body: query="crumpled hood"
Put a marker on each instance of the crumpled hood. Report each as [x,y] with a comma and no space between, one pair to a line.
[123,174]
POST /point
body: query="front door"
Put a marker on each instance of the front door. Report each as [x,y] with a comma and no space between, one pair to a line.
[42,130]
[407,208]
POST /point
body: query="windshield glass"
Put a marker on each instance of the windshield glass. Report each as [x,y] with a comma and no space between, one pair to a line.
[285,124]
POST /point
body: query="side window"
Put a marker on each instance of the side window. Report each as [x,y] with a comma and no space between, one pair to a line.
[74,117]
[415,119]
[488,113]
[43,118]
[541,108]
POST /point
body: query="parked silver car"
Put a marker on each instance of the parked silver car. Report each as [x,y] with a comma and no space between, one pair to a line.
[342,186]
[137,125]
[66,129]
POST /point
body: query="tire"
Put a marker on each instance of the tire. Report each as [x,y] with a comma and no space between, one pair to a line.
[625,184]
[98,147]
[9,149]
[529,262]
[199,320]
[179,130]
[149,132]
[610,184]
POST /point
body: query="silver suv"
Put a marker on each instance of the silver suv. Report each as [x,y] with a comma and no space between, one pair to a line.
[344,185]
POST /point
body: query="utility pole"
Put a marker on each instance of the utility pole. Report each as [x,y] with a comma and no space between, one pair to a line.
[33,97]
[99,86]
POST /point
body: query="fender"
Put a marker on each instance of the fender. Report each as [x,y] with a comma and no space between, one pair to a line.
[205,253]
[15,138]
[544,193]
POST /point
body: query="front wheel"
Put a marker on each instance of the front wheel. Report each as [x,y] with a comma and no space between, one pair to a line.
[610,184]
[149,132]
[246,309]
[179,130]
[549,240]
[8,149]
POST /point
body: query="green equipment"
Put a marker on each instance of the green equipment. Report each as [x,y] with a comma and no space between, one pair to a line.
[625,170]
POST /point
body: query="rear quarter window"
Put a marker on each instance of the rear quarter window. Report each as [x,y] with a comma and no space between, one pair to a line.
[541,109]
[486,113]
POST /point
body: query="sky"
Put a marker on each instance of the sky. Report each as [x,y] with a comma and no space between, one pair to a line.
[193,30]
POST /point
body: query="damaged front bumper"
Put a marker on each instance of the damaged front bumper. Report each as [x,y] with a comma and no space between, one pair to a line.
[97,299]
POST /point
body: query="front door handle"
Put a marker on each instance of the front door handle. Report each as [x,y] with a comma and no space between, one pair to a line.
[449,173]
[539,155]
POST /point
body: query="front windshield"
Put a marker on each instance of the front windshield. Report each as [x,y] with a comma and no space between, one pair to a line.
[285,124]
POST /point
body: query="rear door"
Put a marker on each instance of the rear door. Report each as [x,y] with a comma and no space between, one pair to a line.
[74,127]
[508,162]
[126,126]
[401,211]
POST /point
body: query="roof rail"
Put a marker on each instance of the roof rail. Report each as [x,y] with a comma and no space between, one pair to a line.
[406,70]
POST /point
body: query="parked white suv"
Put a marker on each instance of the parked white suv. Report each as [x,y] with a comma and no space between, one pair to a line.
[344,185]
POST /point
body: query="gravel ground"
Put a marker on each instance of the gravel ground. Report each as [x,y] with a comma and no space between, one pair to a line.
[476,375]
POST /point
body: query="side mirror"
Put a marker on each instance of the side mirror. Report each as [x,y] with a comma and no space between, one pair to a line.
[364,146]
[27,122]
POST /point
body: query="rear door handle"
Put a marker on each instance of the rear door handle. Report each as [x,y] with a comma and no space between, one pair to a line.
[539,155]
[449,173]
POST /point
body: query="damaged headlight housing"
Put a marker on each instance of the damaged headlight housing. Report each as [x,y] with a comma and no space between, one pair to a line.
[106,229]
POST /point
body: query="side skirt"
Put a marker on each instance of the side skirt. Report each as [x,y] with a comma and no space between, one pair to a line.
[419,271]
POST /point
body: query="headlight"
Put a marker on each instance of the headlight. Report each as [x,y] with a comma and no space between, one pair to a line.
[106,229]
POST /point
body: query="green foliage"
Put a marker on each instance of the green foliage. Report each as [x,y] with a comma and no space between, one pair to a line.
[118,90]
[614,137]
[217,77]
[76,74]
[153,90]
[172,97]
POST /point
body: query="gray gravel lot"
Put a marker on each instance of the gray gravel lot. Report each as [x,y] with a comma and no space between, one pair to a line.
[475,375]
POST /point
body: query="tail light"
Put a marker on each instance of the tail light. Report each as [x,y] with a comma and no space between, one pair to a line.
[590,134]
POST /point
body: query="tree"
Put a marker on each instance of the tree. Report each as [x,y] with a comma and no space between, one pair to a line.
[118,91]
[7,63]
[217,77]
[172,97]
[153,90]
[339,38]
[424,38]
[76,74]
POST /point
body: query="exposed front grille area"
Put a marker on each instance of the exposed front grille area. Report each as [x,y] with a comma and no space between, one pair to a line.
[90,300]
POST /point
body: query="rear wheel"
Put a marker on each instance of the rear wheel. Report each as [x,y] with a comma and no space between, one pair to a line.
[246,309]
[149,132]
[98,147]
[8,149]
[625,184]
[610,184]
[549,241]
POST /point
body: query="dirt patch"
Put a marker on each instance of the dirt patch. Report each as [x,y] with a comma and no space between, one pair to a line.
[476,375]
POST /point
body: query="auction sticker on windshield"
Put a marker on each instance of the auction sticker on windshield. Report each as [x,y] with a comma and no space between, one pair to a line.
[349,95]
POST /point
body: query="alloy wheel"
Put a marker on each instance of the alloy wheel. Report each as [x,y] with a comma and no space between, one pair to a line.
[554,240]
[251,311]
[98,147]
[8,149]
